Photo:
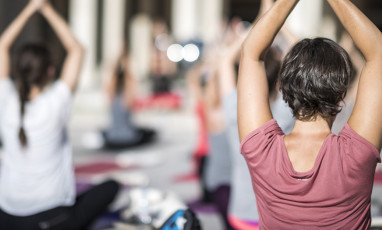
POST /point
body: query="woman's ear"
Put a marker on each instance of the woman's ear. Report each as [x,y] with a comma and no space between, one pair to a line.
[51,72]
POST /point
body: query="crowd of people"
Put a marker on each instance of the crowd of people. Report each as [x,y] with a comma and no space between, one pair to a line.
[37,184]
[311,169]
[288,129]
[296,149]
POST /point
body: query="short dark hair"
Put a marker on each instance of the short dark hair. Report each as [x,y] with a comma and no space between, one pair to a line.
[314,78]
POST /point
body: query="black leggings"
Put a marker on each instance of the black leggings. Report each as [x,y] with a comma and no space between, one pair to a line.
[87,208]
[143,136]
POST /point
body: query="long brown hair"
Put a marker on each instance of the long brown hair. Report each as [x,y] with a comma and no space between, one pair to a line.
[31,69]
[120,74]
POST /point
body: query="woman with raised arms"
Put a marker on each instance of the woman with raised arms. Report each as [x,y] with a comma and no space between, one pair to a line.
[37,184]
[311,178]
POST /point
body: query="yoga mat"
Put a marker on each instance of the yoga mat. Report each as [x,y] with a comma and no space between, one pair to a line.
[378,178]
[186,178]
[99,167]
[166,101]
[100,170]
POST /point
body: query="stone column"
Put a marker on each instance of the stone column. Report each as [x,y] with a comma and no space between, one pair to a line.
[184,19]
[141,45]
[113,31]
[211,17]
[83,21]
[305,20]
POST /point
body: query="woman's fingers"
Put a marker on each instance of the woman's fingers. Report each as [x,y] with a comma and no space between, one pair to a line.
[38,3]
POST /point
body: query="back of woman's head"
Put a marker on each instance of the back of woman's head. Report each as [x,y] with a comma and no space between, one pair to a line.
[314,78]
[31,69]
[32,64]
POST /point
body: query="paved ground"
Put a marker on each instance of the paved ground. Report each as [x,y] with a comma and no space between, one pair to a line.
[165,159]
[177,136]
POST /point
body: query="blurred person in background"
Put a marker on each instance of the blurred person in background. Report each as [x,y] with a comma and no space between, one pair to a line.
[323,180]
[196,85]
[37,184]
[215,171]
[162,70]
[122,89]
[243,213]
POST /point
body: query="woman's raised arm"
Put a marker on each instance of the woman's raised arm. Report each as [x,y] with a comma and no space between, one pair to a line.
[131,85]
[11,33]
[253,102]
[365,119]
[73,62]
[228,53]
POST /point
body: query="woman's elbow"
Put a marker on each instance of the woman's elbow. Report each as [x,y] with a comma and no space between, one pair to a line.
[4,46]
[245,47]
[78,51]
[249,50]
[79,48]
[76,47]
[374,52]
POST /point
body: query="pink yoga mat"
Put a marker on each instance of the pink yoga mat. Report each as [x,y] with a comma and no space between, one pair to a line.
[100,167]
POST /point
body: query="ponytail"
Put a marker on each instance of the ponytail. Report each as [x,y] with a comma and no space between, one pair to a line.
[120,75]
[31,70]
[23,137]
[24,91]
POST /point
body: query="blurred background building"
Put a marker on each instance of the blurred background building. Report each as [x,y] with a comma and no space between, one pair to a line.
[103,25]
[169,33]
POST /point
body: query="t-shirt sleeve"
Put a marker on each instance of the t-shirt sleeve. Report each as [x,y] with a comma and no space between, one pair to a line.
[6,86]
[259,140]
[61,96]
[360,153]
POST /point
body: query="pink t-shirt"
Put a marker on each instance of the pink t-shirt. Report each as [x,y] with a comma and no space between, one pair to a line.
[334,194]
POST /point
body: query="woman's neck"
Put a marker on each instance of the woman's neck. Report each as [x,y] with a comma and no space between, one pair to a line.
[35,91]
[319,126]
